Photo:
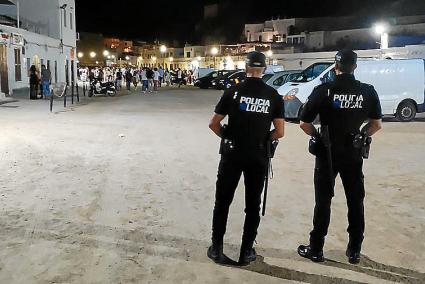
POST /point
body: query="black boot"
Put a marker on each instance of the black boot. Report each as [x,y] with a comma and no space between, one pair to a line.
[247,254]
[215,253]
[310,253]
[353,250]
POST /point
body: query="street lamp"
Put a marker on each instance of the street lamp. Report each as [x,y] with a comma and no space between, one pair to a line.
[163,50]
[92,54]
[269,54]
[80,54]
[214,52]
[381,29]
[127,58]
[105,53]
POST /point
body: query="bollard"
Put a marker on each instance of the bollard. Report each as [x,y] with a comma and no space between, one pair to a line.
[51,102]
[72,93]
[64,99]
[78,94]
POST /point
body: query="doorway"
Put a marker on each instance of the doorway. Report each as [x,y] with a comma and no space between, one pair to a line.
[4,80]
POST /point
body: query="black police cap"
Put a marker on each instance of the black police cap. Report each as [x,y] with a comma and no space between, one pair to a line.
[256,59]
[346,57]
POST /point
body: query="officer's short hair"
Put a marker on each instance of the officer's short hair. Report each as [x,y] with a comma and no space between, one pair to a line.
[346,68]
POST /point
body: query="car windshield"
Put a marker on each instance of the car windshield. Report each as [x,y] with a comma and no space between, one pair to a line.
[312,72]
[266,77]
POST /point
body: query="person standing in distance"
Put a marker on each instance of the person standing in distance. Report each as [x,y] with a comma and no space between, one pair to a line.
[343,105]
[251,107]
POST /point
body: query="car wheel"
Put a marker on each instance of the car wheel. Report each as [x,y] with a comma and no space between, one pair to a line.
[406,111]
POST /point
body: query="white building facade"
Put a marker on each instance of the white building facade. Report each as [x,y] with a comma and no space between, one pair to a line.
[43,33]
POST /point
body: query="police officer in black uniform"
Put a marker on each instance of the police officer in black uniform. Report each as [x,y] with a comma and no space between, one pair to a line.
[251,107]
[343,105]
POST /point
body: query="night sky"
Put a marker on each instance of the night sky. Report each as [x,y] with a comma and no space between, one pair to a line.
[180,21]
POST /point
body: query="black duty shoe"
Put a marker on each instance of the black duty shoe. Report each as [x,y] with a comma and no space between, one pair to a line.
[247,256]
[353,256]
[215,253]
[308,252]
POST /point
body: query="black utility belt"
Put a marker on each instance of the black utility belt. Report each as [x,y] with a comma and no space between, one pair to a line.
[360,142]
[228,146]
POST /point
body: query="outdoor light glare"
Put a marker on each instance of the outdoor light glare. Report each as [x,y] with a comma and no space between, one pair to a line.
[171,59]
[92,54]
[80,54]
[154,58]
[214,51]
[109,57]
[113,56]
[269,53]
[127,57]
[97,62]
[163,48]
[380,29]
[105,53]
[199,58]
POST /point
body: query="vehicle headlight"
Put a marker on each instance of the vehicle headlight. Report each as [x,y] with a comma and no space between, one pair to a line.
[291,94]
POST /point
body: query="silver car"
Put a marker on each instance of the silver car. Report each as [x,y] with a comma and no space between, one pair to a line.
[280,78]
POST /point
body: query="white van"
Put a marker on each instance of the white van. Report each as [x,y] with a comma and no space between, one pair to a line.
[399,83]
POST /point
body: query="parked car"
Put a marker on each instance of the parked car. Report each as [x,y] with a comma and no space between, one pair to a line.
[207,81]
[231,79]
[280,78]
[216,82]
[267,76]
[398,82]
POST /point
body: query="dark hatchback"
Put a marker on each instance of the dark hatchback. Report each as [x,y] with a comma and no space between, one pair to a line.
[229,80]
[207,81]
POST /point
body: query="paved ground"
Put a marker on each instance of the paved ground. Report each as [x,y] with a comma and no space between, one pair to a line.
[120,190]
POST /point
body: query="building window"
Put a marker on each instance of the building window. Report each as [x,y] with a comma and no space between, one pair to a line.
[64,18]
[18,65]
[188,54]
[296,40]
[302,40]
[71,22]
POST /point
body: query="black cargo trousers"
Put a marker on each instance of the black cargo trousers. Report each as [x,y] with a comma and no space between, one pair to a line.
[230,169]
[350,170]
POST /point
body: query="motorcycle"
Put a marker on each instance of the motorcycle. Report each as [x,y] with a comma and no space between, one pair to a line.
[102,88]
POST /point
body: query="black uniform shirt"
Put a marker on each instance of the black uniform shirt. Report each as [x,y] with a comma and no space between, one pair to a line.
[343,105]
[251,107]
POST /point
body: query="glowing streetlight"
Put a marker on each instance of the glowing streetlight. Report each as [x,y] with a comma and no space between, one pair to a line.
[97,62]
[163,49]
[214,52]
[109,57]
[92,54]
[171,59]
[269,54]
[105,53]
[381,29]
[154,58]
[80,55]
[127,57]
[113,56]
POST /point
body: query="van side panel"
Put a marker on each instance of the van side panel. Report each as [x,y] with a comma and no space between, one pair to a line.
[394,81]
[421,107]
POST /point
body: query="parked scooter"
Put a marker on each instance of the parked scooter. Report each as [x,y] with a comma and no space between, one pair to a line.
[98,88]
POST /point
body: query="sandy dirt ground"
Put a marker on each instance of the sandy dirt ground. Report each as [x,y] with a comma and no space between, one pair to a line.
[121,190]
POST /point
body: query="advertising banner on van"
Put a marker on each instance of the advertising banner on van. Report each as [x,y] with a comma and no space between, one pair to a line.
[17,39]
[4,38]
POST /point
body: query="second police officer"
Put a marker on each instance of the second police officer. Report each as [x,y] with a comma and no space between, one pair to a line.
[251,107]
[343,105]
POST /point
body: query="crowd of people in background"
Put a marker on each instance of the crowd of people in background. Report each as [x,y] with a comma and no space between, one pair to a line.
[149,78]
